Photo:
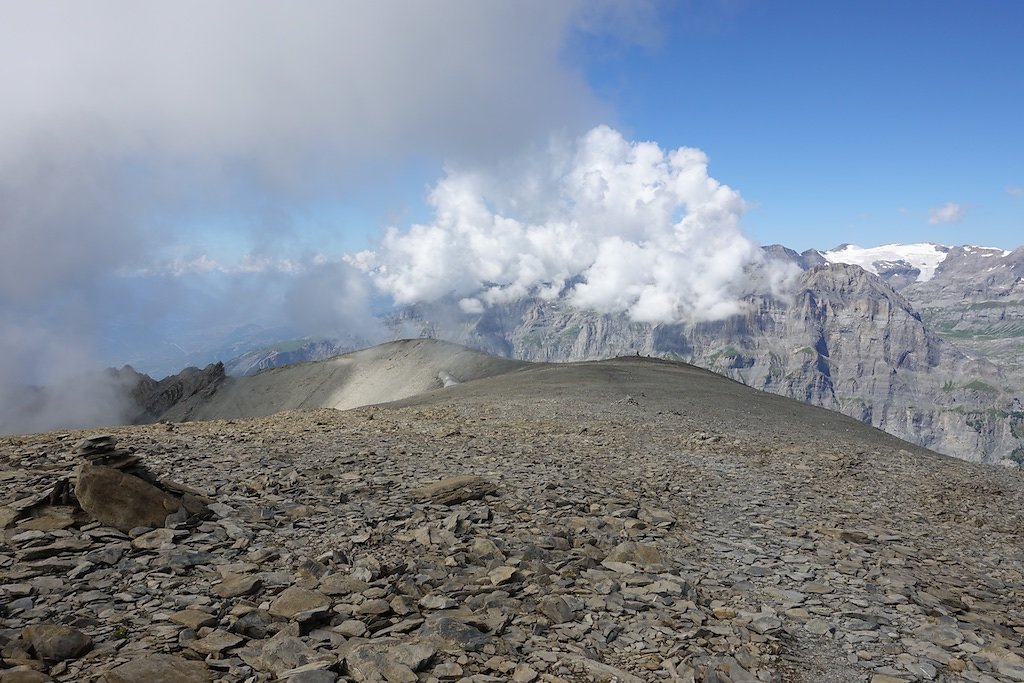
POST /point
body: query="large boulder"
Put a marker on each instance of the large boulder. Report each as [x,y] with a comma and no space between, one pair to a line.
[122,500]
[55,643]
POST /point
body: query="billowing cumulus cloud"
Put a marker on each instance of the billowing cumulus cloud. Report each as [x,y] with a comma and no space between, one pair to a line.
[626,226]
[950,212]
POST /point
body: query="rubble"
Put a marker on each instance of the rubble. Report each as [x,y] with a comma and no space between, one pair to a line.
[323,548]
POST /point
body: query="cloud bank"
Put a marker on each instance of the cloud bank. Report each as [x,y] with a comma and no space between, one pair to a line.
[631,227]
[950,212]
[128,125]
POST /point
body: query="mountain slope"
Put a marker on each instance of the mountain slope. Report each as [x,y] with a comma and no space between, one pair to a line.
[382,373]
[906,350]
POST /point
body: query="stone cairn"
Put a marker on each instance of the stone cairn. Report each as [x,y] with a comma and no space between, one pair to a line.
[103,450]
[110,487]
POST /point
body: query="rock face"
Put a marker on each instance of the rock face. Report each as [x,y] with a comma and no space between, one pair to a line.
[302,351]
[971,296]
[976,301]
[648,521]
[154,398]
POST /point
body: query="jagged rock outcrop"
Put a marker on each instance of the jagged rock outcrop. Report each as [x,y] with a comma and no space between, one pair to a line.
[971,296]
[153,398]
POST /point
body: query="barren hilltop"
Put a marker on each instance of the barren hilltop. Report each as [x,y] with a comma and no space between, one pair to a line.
[622,520]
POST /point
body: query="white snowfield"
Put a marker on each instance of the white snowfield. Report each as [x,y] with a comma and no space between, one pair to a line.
[925,256]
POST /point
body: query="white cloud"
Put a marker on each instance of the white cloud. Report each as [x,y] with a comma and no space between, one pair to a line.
[647,229]
[950,212]
[1015,191]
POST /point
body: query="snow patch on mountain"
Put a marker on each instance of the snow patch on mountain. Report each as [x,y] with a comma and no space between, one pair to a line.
[987,251]
[924,256]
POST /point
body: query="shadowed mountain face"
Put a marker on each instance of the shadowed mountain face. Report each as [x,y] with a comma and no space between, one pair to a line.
[631,519]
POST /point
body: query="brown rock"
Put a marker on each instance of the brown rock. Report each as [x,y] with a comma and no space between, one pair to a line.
[216,642]
[455,634]
[388,660]
[294,600]
[152,540]
[342,584]
[501,575]
[49,518]
[193,618]
[639,554]
[280,653]
[163,668]
[556,609]
[374,607]
[8,516]
[524,674]
[236,585]
[23,676]
[122,500]
[455,490]
[55,643]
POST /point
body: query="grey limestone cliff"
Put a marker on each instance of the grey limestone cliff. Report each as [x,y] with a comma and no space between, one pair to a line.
[976,300]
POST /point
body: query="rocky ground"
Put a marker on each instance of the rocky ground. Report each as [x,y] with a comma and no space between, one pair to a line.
[616,521]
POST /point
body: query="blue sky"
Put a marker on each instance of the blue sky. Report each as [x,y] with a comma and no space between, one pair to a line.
[839,121]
